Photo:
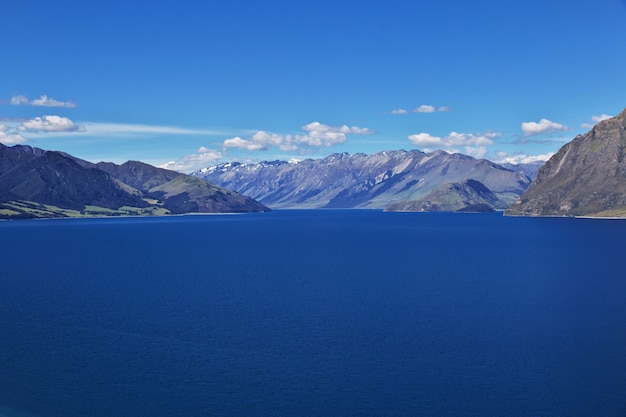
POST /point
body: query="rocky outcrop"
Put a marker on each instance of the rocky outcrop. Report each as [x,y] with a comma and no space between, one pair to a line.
[586,177]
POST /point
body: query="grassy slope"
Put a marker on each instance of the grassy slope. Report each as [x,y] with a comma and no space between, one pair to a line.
[28,209]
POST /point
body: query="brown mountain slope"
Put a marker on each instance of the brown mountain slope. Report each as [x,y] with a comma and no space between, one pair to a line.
[587,176]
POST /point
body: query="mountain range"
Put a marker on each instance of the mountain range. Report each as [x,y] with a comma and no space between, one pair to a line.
[586,177]
[39,183]
[379,180]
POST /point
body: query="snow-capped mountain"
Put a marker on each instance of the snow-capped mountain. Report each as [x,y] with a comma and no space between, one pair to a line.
[343,180]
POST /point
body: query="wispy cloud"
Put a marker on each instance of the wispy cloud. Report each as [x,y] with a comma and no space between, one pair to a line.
[472,144]
[19,101]
[316,135]
[122,129]
[51,126]
[595,120]
[424,108]
[201,159]
[542,127]
[43,101]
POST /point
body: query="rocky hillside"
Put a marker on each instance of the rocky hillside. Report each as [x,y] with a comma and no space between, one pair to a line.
[586,177]
[363,181]
[180,193]
[38,183]
[468,196]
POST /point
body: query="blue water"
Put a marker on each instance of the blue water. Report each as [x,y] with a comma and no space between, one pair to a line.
[313,313]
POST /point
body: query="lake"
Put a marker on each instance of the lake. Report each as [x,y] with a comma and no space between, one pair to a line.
[313,313]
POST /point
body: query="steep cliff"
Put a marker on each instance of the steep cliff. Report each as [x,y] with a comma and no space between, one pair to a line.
[586,177]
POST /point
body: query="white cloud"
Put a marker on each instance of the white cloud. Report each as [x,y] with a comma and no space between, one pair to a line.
[49,124]
[19,100]
[595,119]
[357,130]
[600,118]
[43,101]
[323,135]
[252,144]
[471,144]
[10,138]
[424,108]
[201,159]
[541,127]
[476,151]
[426,140]
[505,157]
[317,135]
[453,139]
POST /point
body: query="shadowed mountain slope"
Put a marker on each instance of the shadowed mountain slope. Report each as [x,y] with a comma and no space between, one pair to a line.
[54,179]
[180,193]
[32,179]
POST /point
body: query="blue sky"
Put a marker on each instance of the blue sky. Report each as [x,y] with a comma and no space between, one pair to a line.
[187,84]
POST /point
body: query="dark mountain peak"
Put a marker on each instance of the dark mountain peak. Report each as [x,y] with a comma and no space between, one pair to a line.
[54,157]
[586,177]
[12,156]
[29,150]
[31,178]
[57,180]
[138,175]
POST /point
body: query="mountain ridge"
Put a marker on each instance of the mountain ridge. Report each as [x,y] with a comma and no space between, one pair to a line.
[39,183]
[343,180]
